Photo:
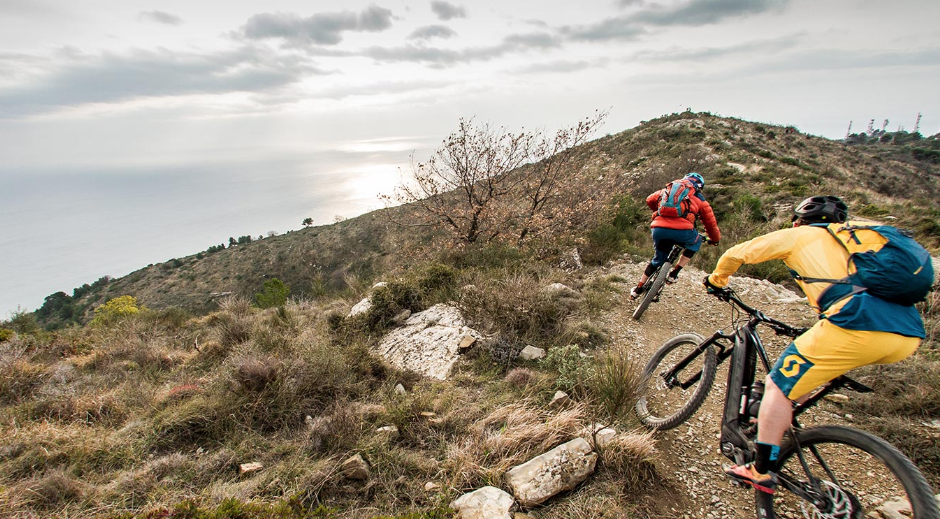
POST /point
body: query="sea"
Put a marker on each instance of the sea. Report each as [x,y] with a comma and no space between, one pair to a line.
[59,230]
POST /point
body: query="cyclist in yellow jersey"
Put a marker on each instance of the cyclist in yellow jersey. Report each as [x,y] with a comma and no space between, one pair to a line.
[856,331]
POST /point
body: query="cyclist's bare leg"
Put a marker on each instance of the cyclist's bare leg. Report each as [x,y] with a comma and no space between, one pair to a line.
[775,415]
[683,261]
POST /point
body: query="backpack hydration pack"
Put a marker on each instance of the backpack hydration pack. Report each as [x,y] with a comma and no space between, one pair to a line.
[674,199]
[884,261]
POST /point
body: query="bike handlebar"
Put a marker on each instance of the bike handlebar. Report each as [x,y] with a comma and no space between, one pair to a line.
[780,328]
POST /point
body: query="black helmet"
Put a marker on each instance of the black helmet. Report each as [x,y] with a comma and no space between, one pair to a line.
[822,209]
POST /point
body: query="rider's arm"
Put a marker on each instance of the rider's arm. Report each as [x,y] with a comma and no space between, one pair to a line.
[776,245]
[653,200]
[708,219]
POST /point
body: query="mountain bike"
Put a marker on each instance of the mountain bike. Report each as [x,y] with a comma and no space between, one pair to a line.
[825,469]
[657,280]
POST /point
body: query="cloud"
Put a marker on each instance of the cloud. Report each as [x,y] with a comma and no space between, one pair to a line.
[611,29]
[322,28]
[382,88]
[447,11]
[436,56]
[759,48]
[558,67]
[115,78]
[704,12]
[159,17]
[692,13]
[432,31]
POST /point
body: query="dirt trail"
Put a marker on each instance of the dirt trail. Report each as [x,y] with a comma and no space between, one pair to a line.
[690,459]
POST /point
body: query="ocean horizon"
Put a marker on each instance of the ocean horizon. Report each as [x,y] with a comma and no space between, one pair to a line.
[60,230]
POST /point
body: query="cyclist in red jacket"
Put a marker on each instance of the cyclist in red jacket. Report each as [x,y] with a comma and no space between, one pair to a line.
[675,211]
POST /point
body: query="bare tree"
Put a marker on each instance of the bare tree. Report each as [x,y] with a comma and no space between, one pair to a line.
[463,185]
[543,189]
[475,183]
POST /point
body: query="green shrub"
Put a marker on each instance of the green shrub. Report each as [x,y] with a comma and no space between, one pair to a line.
[627,225]
[274,293]
[233,508]
[750,207]
[23,323]
[574,371]
[6,334]
[516,306]
[116,310]
[615,386]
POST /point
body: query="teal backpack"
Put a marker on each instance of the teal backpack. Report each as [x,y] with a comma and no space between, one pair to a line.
[674,199]
[884,261]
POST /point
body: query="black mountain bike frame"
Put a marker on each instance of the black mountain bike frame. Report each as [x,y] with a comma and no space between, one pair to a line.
[744,347]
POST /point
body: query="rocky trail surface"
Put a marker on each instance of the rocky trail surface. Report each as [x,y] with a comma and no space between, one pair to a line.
[690,461]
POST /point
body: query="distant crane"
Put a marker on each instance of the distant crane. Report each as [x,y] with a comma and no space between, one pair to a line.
[917,123]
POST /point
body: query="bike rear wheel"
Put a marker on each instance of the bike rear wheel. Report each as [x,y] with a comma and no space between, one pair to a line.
[856,473]
[655,285]
[665,404]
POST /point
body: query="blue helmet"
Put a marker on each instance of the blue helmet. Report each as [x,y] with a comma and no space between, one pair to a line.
[696,179]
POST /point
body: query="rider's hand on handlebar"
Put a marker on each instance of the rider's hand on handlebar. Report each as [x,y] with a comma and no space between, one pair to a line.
[712,289]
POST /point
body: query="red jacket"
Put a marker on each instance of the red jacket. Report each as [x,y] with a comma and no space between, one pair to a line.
[700,209]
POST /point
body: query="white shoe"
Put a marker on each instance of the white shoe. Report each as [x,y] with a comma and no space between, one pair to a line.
[636,292]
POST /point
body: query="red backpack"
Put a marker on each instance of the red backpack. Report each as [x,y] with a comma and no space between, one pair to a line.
[674,199]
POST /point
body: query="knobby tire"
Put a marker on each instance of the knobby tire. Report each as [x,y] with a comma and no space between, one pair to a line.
[919,493]
[657,395]
[658,280]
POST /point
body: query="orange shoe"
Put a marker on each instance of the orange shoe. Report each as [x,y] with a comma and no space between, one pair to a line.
[749,475]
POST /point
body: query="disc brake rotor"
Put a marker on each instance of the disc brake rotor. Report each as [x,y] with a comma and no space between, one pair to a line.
[839,504]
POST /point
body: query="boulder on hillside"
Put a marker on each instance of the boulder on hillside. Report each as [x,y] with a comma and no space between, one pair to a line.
[355,467]
[428,342]
[485,503]
[363,306]
[556,471]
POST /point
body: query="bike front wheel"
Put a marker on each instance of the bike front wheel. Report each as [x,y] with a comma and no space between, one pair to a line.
[655,286]
[671,398]
[836,472]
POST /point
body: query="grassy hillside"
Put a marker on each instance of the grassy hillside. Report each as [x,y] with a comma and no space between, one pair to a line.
[150,409]
[754,171]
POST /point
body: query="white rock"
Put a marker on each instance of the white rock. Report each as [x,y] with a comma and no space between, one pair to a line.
[428,341]
[561,289]
[531,353]
[561,398]
[485,503]
[896,508]
[361,307]
[246,468]
[558,470]
[400,389]
[601,434]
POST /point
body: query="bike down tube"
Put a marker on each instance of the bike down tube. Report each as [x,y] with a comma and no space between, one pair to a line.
[734,444]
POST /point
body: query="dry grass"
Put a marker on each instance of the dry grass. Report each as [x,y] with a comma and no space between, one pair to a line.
[506,437]
[616,384]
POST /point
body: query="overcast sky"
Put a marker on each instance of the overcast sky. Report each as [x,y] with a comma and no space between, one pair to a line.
[283,86]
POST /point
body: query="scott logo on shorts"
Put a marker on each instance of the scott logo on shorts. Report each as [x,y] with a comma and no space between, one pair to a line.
[791,365]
